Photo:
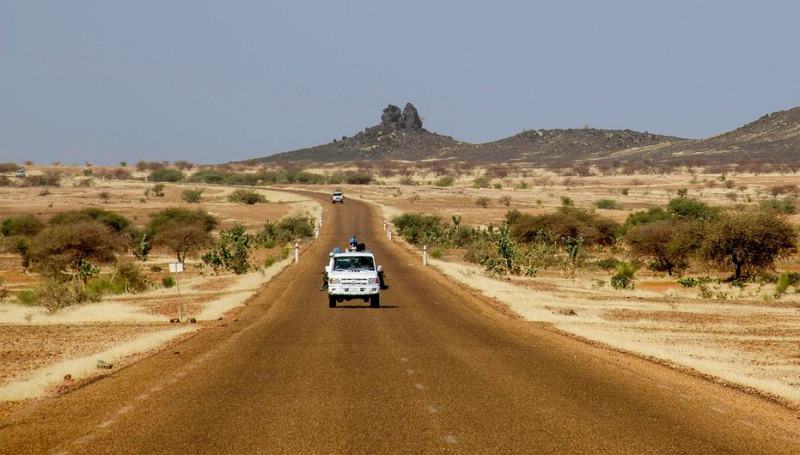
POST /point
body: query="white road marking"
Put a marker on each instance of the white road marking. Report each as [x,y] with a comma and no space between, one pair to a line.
[125,409]
[419,386]
[432,409]
[450,439]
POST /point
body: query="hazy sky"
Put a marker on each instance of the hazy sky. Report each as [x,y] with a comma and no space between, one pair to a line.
[213,81]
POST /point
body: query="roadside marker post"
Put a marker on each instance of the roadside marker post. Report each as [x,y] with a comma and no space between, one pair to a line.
[389,233]
[296,252]
[425,255]
[316,233]
[176,268]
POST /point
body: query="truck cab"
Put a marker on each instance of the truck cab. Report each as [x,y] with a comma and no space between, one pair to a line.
[337,196]
[353,275]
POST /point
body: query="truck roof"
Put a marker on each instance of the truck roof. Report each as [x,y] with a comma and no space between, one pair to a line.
[353,253]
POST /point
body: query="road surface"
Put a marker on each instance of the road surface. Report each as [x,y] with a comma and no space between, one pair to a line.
[435,369]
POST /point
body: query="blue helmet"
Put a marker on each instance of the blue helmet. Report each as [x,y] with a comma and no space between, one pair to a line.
[353,241]
[336,250]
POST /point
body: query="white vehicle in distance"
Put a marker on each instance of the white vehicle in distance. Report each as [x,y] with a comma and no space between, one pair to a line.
[337,196]
[353,275]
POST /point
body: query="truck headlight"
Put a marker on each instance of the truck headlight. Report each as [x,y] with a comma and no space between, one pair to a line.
[373,281]
[333,281]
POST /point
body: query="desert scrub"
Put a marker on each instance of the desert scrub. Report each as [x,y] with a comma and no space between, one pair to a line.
[232,252]
[481,182]
[192,196]
[785,280]
[445,181]
[166,175]
[246,197]
[287,229]
[168,281]
[607,204]
[623,276]
[482,202]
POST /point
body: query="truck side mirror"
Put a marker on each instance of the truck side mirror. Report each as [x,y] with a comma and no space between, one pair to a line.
[380,268]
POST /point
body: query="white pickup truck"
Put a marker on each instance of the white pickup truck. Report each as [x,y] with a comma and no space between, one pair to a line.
[337,196]
[353,275]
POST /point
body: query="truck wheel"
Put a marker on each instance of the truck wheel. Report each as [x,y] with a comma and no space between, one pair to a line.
[331,301]
[375,301]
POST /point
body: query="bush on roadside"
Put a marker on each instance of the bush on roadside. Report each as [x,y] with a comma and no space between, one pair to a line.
[287,229]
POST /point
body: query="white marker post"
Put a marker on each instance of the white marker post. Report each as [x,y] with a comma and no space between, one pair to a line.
[176,268]
[296,252]
[425,255]
[316,233]
[389,234]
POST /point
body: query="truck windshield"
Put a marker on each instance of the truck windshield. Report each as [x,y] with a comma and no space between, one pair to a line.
[353,263]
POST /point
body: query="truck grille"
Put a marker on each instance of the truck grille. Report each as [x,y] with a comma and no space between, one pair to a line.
[354,281]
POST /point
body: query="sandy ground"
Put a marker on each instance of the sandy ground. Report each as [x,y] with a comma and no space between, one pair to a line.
[742,336]
[38,349]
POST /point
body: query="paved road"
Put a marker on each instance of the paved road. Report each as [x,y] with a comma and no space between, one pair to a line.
[435,369]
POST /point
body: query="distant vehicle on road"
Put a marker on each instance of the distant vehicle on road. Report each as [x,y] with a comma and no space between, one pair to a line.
[337,196]
[20,173]
[353,275]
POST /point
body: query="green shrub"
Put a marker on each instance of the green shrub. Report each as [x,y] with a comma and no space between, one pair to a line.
[192,196]
[497,186]
[232,251]
[785,280]
[504,200]
[691,209]
[166,175]
[607,204]
[785,206]
[567,201]
[246,197]
[482,201]
[623,276]
[27,225]
[26,297]
[168,281]
[436,252]
[156,268]
[444,181]
[289,228]
[158,190]
[651,215]
[481,182]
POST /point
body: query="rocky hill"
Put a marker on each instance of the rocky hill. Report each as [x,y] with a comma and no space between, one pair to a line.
[399,136]
[561,145]
[774,138]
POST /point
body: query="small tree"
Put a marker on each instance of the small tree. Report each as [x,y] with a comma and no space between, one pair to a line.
[180,230]
[71,250]
[748,240]
[667,242]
